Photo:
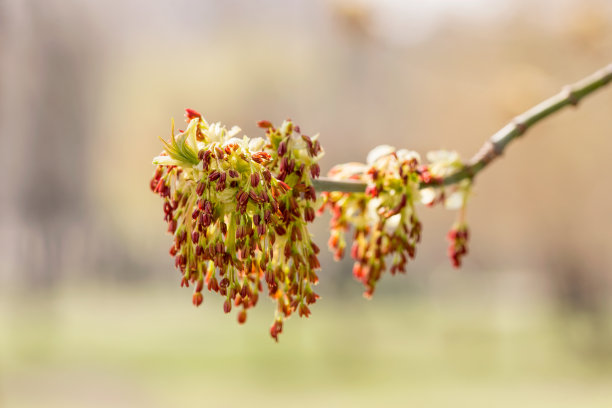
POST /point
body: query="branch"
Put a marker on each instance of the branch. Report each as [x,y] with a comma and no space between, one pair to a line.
[494,147]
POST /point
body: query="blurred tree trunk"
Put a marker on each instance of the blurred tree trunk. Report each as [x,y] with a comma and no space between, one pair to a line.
[46,61]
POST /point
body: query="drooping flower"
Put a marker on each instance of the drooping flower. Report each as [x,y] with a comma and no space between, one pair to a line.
[238,210]
[384,219]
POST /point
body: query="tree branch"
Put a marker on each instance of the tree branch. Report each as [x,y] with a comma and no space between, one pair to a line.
[494,147]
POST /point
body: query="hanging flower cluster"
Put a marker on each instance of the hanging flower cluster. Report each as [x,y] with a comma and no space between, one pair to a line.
[442,164]
[238,210]
[384,220]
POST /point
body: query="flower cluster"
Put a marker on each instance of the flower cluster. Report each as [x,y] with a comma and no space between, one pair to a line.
[442,164]
[238,210]
[384,220]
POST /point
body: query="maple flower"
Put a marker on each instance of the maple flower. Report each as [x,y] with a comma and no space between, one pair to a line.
[384,219]
[238,210]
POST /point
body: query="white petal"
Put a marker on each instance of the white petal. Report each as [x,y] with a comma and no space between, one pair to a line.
[447,156]
[256,144]
[346,170]
[428,195]
[454,201]
[215,132]
[378,152]
[405,155]
[392,223]
[372,208]
[233,140]
[166,161]
[233,131]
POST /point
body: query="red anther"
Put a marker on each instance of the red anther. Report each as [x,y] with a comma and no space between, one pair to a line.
[284,164]
[208,207]
[311,297]
[311,193]
[192,114]
[233,173]
[227,306]
[304,310]
[261,157]
[213,285]
[214,175]
[254,180]
[220,248]
[244,291]
[284,186]
[263,196]
[197,298]
[206,159]
[256,219]
[282,148]
[264,124]
[220,152]
[160,186]
[267,176]
[224,283]
[167,208]
[172,226]
[242,316]
[205,219]
[244,198]
[253,196]
[195,237]
[313,261]
[287,250]
[195,214]
[296,129]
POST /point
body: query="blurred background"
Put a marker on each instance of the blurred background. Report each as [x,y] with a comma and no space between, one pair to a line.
[91,313]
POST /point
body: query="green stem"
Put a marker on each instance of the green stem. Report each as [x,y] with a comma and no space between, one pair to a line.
[494,147]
